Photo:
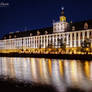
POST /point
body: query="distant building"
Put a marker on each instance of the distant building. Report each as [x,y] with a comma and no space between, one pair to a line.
[47,40]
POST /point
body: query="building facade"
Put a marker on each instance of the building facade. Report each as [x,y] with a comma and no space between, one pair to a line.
[63,34]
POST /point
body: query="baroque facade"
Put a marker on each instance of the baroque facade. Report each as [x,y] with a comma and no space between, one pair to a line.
[49,40]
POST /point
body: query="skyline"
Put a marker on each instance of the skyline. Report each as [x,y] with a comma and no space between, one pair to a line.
[40,14]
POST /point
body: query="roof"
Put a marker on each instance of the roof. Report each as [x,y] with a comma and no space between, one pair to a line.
[27,33]
[78,26]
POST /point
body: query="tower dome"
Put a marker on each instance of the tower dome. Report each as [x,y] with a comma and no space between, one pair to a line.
[62,17]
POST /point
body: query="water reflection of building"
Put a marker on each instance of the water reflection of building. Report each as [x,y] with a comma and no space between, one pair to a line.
[11,68]
[4,67]
[34,70]
[50,67]
[1,66]
[87,69]
[57,79]
[61,68]
[67,72]
[18,68]
[44,72]
[91,71]
[59,73]
[39,69]
[74,72]
[26,69]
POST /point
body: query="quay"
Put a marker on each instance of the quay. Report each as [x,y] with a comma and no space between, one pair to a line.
[51,56]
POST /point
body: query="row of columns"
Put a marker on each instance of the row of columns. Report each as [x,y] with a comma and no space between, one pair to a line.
[44,40]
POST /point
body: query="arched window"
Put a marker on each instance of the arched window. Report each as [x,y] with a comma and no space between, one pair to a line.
[85,25]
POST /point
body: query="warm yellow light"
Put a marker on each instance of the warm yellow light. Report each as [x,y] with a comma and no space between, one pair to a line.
[40,66]
[50,66]
[62,18]
[74,72]
[61,67]
[87,72]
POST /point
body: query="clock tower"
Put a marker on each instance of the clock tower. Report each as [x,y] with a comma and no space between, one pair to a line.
[62,25]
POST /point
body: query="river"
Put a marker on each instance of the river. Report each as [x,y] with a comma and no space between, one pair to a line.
[58,73]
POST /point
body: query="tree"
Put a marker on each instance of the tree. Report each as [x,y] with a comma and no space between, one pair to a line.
[62,44]
[86,46]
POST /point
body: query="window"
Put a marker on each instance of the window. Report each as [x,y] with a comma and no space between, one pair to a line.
[80,35]
[90,35]
[69,36]
[73,36]
[76,35]
[85,34]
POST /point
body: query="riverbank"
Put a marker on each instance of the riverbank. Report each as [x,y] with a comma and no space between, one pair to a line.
[32,87]
[9,84]
[51,56]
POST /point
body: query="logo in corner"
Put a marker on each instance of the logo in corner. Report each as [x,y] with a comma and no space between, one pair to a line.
[4,4]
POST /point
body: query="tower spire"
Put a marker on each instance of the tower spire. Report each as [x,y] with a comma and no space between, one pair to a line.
[62,17]
[62,12]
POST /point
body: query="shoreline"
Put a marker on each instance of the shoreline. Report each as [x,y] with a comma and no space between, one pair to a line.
[51,56]
[33,87]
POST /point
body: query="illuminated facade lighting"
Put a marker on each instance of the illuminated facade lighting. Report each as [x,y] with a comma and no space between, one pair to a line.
[50,42]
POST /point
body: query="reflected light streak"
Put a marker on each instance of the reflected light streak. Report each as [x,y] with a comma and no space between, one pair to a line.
[61,67]
[26,69]
[4,69]
[50,66]
[34,70]
[84,83]
[87,72]
[40,64]
[56,78]
[74,72]
[45,72]
[1,59]
[91,70]
[18,68]
[11,67]
[67,72]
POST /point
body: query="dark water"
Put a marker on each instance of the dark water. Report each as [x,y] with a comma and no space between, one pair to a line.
[58,73]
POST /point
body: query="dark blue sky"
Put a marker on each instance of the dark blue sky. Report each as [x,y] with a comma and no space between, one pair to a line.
[34,14]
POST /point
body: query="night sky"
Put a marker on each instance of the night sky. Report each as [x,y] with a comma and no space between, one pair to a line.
[22,15]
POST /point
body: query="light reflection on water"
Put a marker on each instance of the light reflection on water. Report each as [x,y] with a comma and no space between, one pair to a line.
[56,72]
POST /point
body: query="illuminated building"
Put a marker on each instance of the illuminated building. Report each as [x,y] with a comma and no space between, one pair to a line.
[47,40]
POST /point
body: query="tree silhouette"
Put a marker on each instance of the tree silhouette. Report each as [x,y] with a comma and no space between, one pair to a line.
[62,44]
[86,46]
